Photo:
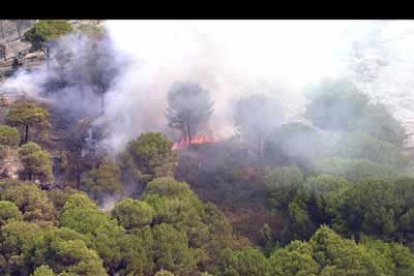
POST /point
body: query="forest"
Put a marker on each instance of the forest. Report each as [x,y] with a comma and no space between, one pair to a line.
[329,195]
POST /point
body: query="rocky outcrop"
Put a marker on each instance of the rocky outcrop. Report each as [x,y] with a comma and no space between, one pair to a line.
[14,51]
[10,164]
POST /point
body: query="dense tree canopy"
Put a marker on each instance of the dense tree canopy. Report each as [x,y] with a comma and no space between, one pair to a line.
[148,156]
[31,201]
[339,105]
[104,180]
[8,211]
[133,213]
[336,105]
[36,162]
[333,196]
[9,136]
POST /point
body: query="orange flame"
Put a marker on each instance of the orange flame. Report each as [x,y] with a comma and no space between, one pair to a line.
[194,140]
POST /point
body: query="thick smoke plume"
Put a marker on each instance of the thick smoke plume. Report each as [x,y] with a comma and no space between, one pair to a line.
[230,59]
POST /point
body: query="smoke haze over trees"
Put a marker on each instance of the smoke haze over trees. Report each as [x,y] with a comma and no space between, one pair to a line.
[189,108]
[306,169]
[132,69]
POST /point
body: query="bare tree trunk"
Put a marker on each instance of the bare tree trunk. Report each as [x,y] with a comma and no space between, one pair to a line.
[189,133]
[47,54]
[26,134]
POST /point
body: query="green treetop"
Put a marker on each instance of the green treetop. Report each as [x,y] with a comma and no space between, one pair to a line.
[36,162]
[27,115]
[148,156]
[9,136]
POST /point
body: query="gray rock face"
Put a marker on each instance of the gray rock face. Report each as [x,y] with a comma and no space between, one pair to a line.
[14,52]
[11,36]
[10,164]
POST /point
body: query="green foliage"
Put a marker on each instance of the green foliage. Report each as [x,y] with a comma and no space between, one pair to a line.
[220,229]
[8,211]
[90,30]
[328,254]
[148,156]
[175,203]
[375,207]
[182,221]
[397,256]
[365,146]
[249,261]
[282,184]
[339,105]
[133,213]
[31,201]
[378,122]
[104,180]
[338,256]
[59,197]
[36,162]
[46,30]
[336,105]
[9,136]
[171,251]
[295,259]
[26,115]
[164,273]
[354,170]
[137,252]
[82,215]
[65,250]
[320,191]
[16,240]
[43,270]
[285,187]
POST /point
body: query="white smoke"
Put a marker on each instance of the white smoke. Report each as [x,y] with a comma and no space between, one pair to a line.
[233,59]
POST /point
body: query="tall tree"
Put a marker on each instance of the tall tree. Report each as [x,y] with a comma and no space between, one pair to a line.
[189,107]
[9,136]
[146,157]
[31,201]
[339,105]
[36,162]
[99,69]
[336,105]
[27,115]
[104,180]
[45,32]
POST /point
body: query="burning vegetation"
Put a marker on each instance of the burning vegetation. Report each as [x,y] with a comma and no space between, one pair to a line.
[196,140]
[93,184]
